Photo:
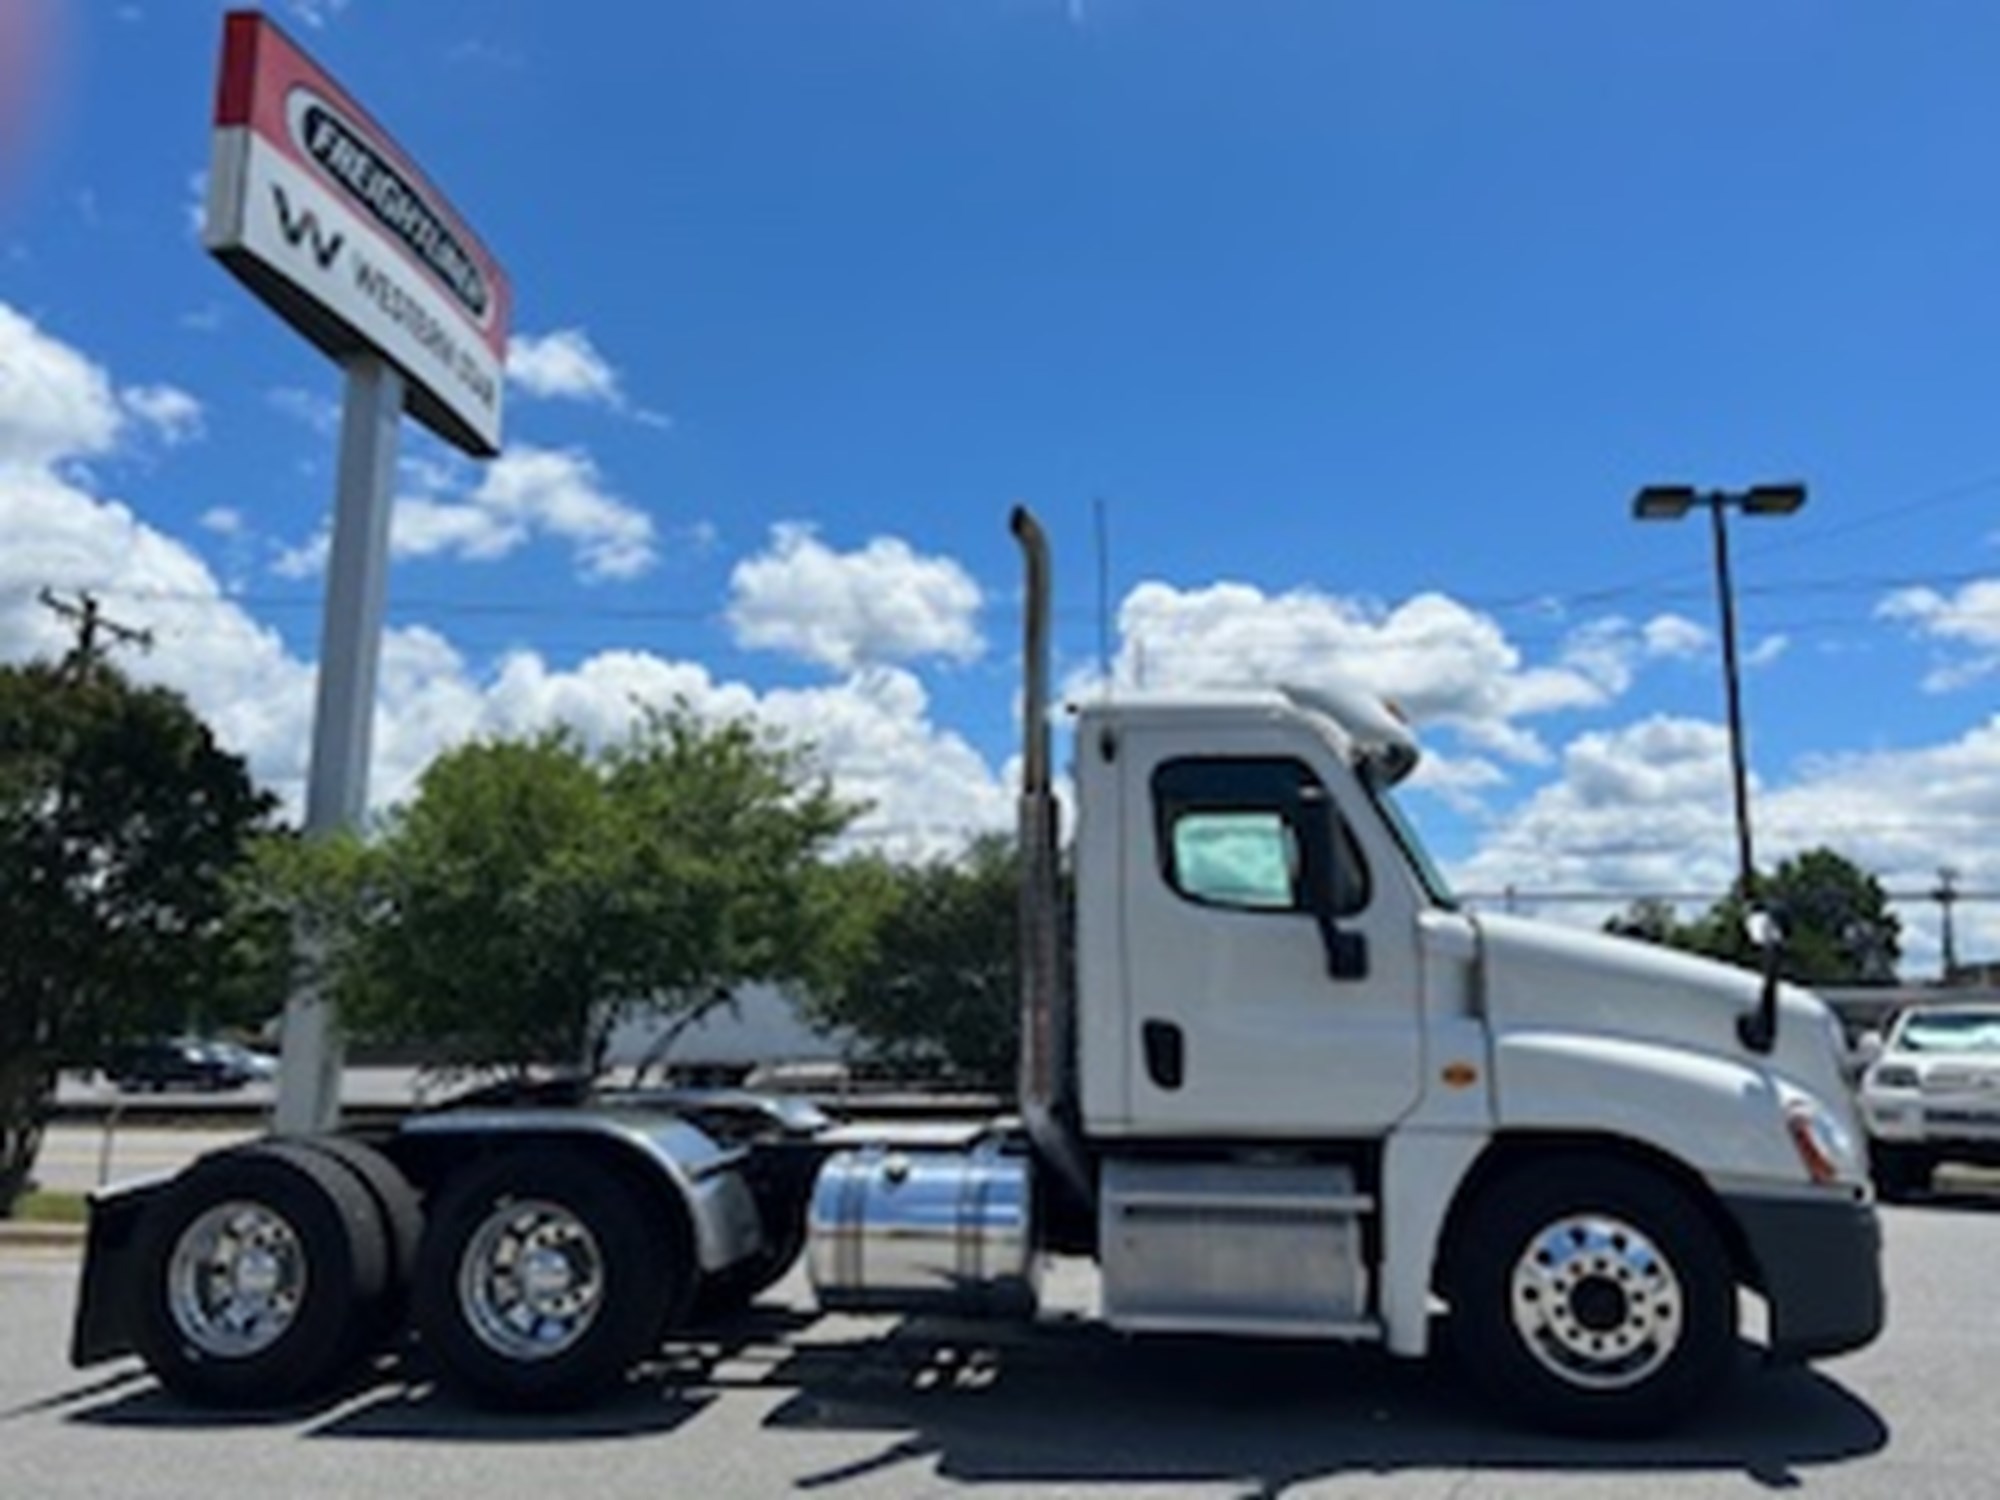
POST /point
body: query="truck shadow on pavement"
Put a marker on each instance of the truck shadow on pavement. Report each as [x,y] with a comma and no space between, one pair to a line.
[1060,1402]
[1084,1405]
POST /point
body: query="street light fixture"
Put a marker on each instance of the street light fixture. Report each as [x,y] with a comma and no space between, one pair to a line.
[1672,502]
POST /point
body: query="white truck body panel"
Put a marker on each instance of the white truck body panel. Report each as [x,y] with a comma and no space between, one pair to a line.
[1597,1032]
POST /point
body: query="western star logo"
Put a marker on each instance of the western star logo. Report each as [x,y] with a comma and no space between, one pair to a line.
[347,157]
[302,227]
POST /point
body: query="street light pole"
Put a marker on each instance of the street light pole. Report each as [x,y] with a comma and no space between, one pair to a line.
[1670,503]
[1732,683]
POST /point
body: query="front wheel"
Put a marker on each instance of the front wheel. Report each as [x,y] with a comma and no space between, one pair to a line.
[1592,1296]
[1900,1172]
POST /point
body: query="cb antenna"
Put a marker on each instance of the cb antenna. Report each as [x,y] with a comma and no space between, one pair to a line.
[1103,597]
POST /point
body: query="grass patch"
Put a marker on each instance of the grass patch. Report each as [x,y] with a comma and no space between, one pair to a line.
[41,1207]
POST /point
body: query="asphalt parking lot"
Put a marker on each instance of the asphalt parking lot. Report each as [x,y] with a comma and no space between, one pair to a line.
[785,1401]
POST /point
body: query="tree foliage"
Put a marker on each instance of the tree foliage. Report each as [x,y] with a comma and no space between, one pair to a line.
[120,822]
[1836,919]
[535,890]
[936,990]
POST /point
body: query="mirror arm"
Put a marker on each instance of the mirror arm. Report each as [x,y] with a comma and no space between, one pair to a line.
[1759,1030]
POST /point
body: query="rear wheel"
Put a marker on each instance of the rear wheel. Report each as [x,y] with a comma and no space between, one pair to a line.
[260,1268]
[402,1216]
[1593,1296]
[544,1278]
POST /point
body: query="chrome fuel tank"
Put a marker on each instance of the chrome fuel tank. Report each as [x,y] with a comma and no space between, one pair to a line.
[925,1230]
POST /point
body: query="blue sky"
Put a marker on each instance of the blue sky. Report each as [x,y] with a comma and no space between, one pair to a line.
[1362,322]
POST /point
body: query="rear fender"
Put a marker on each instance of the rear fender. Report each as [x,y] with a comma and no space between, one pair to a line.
[664,1151]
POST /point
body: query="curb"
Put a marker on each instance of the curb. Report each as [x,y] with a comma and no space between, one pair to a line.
[17,1234]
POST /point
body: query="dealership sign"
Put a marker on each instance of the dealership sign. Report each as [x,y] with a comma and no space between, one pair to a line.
[317,210]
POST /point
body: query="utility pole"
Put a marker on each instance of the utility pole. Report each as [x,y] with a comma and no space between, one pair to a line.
[87,618]
[1946,896]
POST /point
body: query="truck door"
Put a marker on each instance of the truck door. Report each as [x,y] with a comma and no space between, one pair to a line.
[1236,1024]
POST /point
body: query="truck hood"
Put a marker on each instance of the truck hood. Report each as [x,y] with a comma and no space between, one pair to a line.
[1537,976]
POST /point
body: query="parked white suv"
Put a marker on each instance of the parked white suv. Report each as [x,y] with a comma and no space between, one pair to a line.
[1932,1094]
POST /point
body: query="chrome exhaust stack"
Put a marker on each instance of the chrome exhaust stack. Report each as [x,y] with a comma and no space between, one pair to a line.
[1048,1086]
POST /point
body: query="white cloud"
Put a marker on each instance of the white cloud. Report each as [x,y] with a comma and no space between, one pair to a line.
[926,787]
[1673,636]
[1642,808]
[1647,809]
[566,366]
[1767,651]
[1443,663]
[523,494]
[562,365]
[318,413]
[1965,624]
[307,559]
[429,528]
[54,403]
[223,520]
[559,492]
[194,211]
[316,13]
[168,410]
[236,670]
[884,602]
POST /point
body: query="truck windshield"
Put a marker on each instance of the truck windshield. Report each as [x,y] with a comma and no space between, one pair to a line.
[1413,849]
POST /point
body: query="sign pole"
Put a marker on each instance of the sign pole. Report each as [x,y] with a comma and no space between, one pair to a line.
[343,717]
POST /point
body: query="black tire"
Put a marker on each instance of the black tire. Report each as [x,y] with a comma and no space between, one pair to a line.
[258,1267]
[616,1271]
[1900,1172]
[402,1215]
[1593,1296]
[401,1209]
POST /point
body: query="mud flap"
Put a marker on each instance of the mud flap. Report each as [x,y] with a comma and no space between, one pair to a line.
[108,1295]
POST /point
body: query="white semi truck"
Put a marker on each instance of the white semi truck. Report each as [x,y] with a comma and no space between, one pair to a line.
[1286,1089]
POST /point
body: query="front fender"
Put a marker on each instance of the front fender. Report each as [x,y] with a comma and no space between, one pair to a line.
[1722,1118]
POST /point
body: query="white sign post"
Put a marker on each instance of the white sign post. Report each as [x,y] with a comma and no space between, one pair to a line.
[319,212]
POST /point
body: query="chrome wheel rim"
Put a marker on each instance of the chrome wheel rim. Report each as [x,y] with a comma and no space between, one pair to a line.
[236,1279]
[532,1280]
[1597,1302]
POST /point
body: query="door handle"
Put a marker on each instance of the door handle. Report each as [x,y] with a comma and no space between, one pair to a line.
[1166,1054]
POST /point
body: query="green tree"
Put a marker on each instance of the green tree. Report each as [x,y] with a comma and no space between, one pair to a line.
[535,892]
[120,822]
[937,990]
[1651,920]
[1836,918]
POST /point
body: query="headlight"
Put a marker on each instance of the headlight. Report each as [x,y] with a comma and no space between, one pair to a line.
[1819,1139]
[1894,1076]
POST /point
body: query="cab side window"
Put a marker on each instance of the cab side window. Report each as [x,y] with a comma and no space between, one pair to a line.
[1228,833]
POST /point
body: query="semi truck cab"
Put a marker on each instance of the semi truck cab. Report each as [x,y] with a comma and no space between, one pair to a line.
[1277,994]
